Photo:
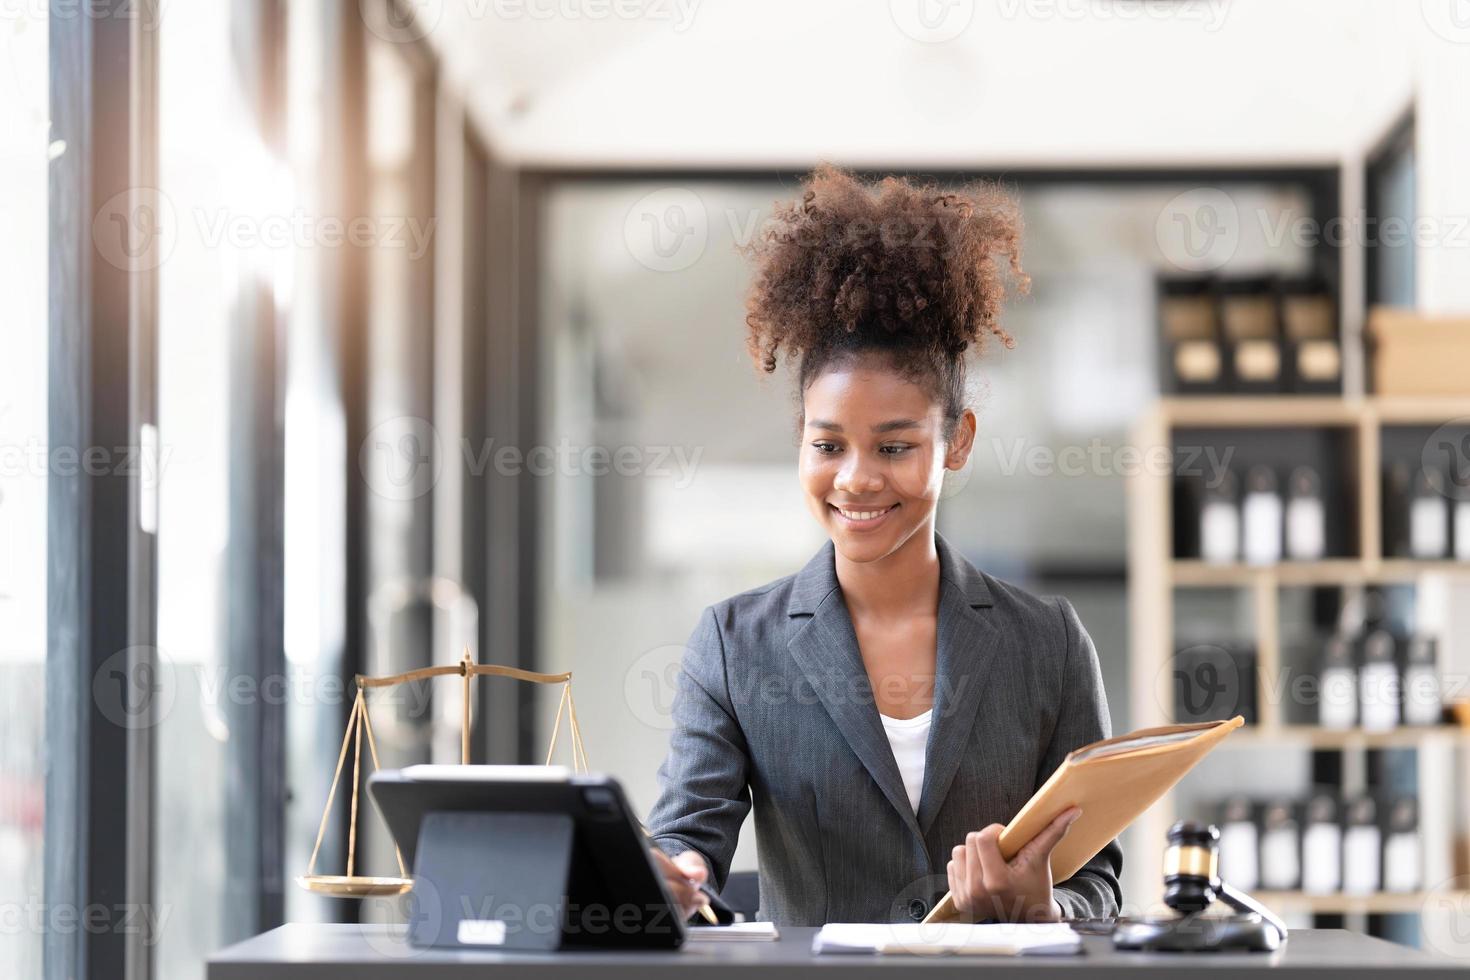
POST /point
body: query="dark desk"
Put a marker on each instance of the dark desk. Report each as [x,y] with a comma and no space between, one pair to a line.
[350,952]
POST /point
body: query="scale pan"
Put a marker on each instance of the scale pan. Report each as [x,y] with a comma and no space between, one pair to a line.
[355,886]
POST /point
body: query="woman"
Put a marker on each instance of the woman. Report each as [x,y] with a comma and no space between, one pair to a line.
[888,708]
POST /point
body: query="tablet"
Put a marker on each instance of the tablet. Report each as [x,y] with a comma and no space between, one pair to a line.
[492,838]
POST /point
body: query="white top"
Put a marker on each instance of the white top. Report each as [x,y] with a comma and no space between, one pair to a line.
[908,737]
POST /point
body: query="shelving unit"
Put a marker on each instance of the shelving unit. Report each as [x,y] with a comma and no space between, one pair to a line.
[1156,579]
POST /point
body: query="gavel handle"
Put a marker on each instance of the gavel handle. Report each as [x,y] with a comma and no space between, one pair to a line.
[1242,902]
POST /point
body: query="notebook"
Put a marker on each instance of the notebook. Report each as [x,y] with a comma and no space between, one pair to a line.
[736,932]
[937,939]
[1113,782]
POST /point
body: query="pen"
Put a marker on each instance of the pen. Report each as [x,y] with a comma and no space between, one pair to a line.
[707,913]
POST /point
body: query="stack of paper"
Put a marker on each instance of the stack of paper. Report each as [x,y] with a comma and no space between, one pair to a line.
[736,932]
[938,938]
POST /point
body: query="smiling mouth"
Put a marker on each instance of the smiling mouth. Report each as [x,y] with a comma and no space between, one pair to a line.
[864,518]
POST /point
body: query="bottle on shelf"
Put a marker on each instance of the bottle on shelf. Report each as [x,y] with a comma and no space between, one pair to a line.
[1362,849]
[1421,694]
[1429,516]
[1280,848]
[1338,705]
[1261,517]
[1239,844]
[1378,683]
[1403,853]
[1306,518]
[1219,521]
[1322,846]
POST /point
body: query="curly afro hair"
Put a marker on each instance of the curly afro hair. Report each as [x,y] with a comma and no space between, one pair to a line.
[896,267]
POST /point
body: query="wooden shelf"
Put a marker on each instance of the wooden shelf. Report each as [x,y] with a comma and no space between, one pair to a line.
[1193,573]
[1288,411]
[1227,411]
[1338,904]
[1406,736]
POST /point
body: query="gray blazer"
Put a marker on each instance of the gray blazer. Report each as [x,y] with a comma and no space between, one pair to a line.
[774,706]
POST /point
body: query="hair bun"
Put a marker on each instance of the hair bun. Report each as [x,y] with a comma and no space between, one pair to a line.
[893,264]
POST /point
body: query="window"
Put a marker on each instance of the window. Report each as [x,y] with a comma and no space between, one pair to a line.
[23,468]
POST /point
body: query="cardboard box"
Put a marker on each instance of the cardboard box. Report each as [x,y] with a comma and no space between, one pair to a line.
[1417,354]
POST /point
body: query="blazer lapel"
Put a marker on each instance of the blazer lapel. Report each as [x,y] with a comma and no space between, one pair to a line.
[966,649]
[825,647]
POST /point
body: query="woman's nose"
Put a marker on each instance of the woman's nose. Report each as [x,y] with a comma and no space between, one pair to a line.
[857,476]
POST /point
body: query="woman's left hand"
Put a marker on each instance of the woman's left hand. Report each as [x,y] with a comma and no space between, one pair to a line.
[985,885]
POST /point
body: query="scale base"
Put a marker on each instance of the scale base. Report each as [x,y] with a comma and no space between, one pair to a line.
[354,886]
[1246,932]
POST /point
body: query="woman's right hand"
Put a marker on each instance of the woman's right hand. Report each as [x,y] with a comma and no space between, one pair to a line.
[683,873]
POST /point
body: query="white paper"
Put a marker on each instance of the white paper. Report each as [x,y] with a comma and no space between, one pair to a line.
[736,932]
[920,938]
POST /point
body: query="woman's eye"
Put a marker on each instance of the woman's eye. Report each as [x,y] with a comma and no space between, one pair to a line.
[825,447]
[894,450]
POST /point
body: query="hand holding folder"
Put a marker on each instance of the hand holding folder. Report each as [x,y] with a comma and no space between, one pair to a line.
[1112,782]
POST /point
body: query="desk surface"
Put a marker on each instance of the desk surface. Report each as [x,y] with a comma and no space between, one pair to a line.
[367,952]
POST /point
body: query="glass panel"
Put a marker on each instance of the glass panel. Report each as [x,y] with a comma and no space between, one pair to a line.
[218,190]
[23,467]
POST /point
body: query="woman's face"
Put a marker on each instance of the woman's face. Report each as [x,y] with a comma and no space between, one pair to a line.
[873,457]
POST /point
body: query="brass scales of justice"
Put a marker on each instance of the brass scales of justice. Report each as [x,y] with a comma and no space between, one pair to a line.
[353,885]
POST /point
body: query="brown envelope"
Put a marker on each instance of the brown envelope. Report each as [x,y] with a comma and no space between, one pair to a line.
[1113,782]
